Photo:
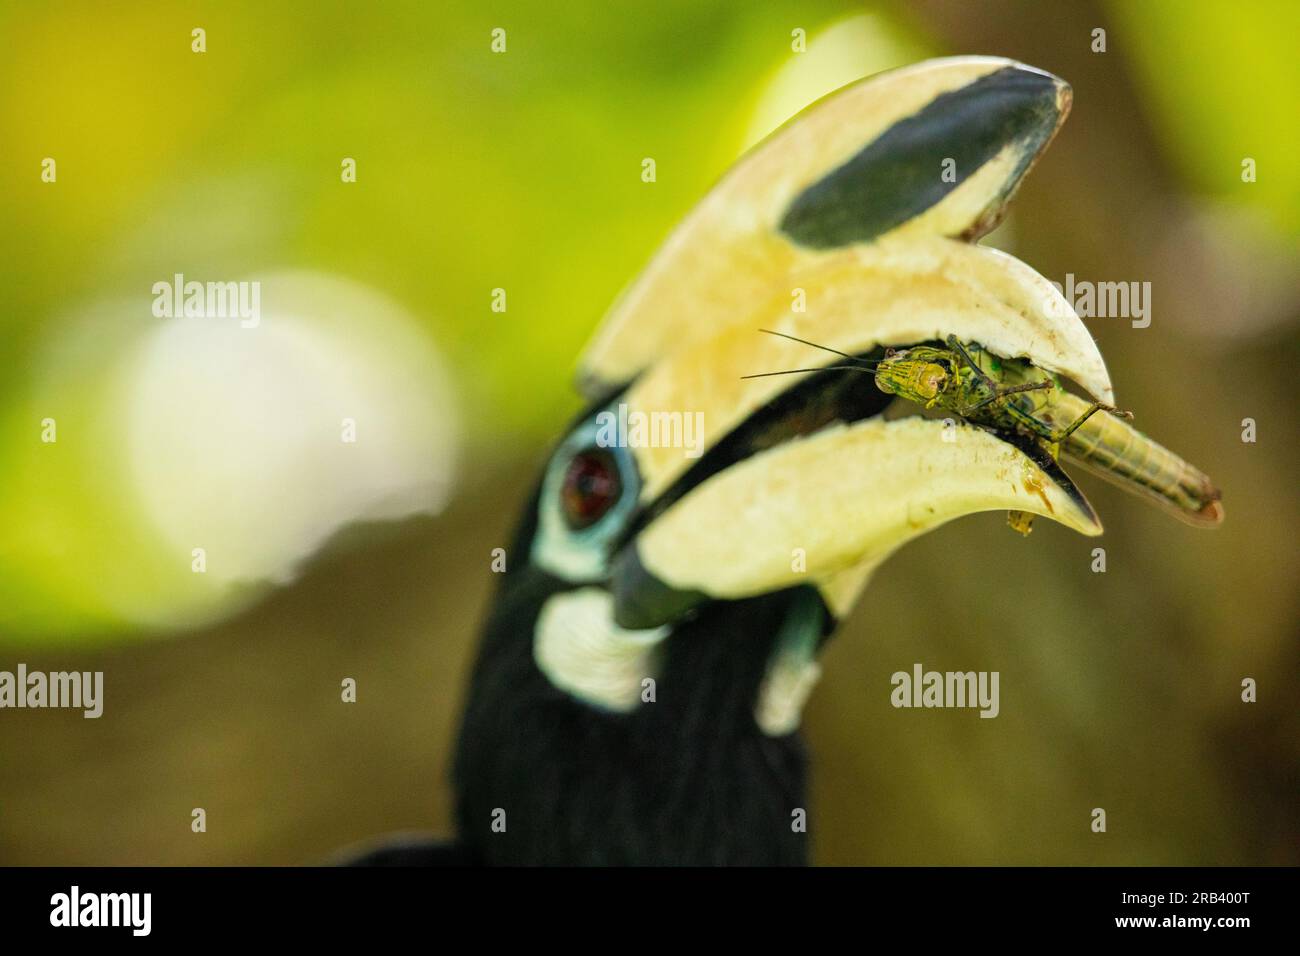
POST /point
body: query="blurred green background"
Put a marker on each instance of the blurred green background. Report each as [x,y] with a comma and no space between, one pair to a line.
[521,171]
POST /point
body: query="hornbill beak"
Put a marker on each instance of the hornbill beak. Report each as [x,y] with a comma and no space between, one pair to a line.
[853,227]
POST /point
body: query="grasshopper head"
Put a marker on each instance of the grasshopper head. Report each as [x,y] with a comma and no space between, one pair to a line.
[917,374]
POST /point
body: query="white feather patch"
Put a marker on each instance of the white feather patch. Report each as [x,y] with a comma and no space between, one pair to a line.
[784,692]
[584,653]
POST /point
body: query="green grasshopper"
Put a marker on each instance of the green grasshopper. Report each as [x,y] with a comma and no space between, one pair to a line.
[1014,396]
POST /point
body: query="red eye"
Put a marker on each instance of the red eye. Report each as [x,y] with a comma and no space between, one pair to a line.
[591,486]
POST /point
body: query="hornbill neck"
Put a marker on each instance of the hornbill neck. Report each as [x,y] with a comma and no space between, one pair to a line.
[690,778]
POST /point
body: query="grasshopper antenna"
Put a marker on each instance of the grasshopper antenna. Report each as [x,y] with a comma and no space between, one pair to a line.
[792,338]
[824,368]
[859,365]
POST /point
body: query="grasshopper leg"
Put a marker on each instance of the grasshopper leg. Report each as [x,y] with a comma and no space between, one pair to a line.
[1060,436]
[960,349]
[1002,391]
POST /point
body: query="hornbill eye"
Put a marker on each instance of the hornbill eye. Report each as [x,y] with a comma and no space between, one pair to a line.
[591,486]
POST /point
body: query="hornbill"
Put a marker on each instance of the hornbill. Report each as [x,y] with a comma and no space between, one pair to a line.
[637,694]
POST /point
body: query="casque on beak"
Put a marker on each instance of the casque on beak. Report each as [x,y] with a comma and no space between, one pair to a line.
[853,226]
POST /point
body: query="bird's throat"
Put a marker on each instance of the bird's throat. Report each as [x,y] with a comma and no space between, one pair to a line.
[684,776]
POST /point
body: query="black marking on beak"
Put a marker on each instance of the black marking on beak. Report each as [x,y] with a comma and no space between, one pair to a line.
[897,176]
[828,396]
[643,601]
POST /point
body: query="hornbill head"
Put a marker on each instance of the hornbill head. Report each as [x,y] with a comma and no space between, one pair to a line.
[696,534]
